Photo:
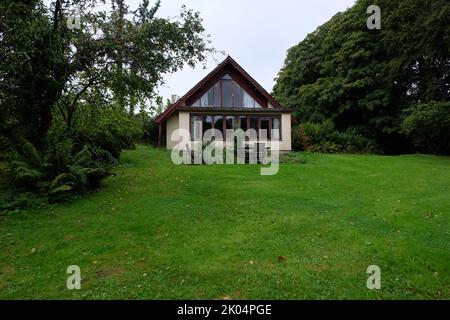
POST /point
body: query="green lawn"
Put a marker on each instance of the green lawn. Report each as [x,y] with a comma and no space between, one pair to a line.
[160,231]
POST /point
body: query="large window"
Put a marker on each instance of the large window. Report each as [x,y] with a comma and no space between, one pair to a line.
[207,124]
[196,128]
[229,122]
[218,123]
[265,125]
[254,123]
[199,124]
[243,123]
[227,93]
[276,128]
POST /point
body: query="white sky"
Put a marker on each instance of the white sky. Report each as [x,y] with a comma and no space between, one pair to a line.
[256,33]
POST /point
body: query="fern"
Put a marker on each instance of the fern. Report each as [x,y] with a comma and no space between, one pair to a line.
[83,156]
[61,189]
[31,154]
[62,179]
[27,175]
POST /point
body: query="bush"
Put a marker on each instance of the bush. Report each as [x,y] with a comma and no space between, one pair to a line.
[60,171]
[428,126]
[300,141]
[73,160]
[353,142]
[151,131]
[326,147]
[323,138]
[318,132]
[109,129]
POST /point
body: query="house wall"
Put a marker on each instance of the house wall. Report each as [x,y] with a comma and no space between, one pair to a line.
[181,120]
[171,126]
[285,143]
[176,121]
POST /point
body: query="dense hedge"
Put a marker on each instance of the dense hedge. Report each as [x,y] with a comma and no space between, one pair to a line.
[428,126]
[363,80]
[324,138]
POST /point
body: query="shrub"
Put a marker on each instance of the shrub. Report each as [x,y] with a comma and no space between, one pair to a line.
[109,129]
[354,142]
[318,132]
[326,147]
[76,159]
[60,171]
[150,131]
[323,138]
[300,141]
[428,126]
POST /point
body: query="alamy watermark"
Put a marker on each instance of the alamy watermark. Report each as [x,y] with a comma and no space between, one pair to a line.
[374,21]
[239,147]
[74,20]
[374,280]
[74,278]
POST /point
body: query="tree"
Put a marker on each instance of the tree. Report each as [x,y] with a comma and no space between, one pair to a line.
[67,95]
[428,126]
[364,79]
[47,66]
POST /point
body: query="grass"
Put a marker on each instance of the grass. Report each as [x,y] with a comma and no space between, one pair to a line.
[160,231]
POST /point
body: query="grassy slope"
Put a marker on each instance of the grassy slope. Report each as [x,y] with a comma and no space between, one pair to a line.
[157,230]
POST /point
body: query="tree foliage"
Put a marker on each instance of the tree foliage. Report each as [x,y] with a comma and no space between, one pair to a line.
[363,79]
[68,95]
[428,126]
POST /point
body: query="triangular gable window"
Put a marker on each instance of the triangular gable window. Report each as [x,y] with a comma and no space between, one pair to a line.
[226,93]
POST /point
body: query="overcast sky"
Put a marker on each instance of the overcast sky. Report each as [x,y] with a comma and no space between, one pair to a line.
[256,33]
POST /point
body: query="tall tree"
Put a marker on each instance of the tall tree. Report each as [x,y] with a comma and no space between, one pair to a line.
[48,67]
[364,79]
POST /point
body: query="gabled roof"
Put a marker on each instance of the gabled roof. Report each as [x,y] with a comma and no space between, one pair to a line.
[181,103]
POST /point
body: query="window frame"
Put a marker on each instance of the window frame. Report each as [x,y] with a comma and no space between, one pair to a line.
[236,91]
[237,120]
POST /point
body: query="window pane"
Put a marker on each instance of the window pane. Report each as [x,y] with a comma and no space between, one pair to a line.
[196,103]
[276,128]
[237,91]
[211,97]
[229,122]
[227,93]
[265,125]
[196,128]
[217,102]
[243,123]
[204,100]
[207,124]
[248,102]
[218,123]
[254,123]
[236,122]
[257,105]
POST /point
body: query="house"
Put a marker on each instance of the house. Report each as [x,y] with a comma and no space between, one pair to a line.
[227,98]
